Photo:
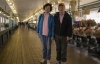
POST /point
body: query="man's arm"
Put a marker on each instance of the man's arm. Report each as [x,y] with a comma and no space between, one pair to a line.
[69,31]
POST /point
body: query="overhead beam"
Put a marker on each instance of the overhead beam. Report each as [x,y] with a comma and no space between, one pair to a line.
[91,5]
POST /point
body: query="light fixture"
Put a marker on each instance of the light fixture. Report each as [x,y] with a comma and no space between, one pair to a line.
[11,5]
[99,10]
[8,0]
[37,12]
[13,8]
[0,11]
[17,18]
[59,1]
[52,5]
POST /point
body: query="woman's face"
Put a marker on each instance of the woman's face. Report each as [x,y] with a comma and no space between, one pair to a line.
[47,9]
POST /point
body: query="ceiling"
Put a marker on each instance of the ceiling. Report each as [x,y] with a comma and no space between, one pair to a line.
[25,8]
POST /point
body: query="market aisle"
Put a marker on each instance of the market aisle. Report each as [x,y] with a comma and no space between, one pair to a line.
[24,47]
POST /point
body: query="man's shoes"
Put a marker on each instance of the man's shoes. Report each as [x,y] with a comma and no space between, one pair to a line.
[63,62]
[43,61]
[48,62]
[58,62]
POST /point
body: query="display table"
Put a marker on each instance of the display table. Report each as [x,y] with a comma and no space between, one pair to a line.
[4,34]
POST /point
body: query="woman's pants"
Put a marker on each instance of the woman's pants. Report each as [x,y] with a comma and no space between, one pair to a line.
[46,43]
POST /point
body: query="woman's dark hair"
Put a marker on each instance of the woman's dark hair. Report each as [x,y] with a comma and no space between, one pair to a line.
[47,4]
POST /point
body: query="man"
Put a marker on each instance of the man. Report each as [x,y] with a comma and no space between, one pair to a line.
[63,32]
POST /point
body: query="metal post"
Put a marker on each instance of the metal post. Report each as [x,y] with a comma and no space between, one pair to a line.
[5,8]
[78,5]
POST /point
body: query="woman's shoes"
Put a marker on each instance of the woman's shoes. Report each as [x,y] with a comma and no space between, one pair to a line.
[44,61]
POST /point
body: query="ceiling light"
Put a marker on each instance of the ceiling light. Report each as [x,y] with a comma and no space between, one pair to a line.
[13,8]
[54,3]
[0,11]
[8,0]
[31,16]
[59,1]
[17,17]
[11,3]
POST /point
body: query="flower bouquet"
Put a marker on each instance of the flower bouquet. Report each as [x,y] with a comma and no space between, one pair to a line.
[91,23]
[83,23]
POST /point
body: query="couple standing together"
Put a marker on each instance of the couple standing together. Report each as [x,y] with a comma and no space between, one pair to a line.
[58,27]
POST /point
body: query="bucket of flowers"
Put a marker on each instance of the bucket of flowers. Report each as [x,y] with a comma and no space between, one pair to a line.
[91,22]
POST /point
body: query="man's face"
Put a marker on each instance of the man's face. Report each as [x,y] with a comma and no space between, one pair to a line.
[61,8]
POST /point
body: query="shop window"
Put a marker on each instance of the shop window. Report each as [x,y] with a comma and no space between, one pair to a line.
[7,21]
[2,20]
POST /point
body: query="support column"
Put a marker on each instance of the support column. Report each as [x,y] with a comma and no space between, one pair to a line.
[73,17]
[73,6]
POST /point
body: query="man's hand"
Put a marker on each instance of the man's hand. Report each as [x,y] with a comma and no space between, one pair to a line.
[68,38]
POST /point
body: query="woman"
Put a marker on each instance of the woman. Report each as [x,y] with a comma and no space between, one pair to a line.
[45,29]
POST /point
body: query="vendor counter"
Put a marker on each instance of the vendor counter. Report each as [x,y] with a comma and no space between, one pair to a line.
[5,32]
